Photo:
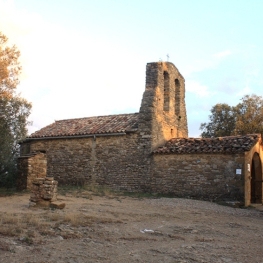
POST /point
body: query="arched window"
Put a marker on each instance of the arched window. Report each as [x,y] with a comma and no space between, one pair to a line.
[177,98]
[166,92]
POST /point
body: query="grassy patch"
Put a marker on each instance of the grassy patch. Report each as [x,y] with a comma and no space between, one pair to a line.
[85,191]
[11,191]
[29,226]
[7,191]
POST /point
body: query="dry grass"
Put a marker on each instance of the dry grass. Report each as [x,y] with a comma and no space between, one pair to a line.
[86,191]
[4,246]
[18,224]
[28,225]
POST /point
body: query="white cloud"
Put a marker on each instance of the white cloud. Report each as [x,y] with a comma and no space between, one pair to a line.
[198,89]
[209,62]
[222,54]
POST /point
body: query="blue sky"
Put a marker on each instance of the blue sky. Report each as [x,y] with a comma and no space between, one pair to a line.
[83,57]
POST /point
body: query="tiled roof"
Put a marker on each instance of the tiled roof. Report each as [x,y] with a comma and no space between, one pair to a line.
[229,144]
[90,125]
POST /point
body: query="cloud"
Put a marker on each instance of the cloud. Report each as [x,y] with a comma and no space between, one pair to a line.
[222,54]
[198,89]
[211,61]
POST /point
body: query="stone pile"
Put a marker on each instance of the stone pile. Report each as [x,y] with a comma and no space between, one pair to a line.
[43,191]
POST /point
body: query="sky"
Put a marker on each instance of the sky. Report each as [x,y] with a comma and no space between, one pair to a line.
[84,58]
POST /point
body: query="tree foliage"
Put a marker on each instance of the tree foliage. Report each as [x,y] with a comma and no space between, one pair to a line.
[9,67]
[14,111]
[249,116]
[244,118]
[222,121]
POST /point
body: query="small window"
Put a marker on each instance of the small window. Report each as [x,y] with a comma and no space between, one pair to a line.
[24,148]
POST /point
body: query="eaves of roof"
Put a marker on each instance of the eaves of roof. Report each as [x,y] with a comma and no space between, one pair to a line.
[224,145]
[110,125]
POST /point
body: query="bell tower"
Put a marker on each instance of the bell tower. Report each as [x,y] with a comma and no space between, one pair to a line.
[162,113]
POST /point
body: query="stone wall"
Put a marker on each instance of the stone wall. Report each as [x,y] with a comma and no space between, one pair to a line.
[120,163]
[114,161]
[43,189]
[162,114]
[31,166]
[201,176]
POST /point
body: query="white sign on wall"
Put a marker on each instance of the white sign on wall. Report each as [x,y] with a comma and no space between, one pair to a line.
[238,171]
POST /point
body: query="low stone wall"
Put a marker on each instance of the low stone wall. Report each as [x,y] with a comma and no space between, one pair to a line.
[43,191]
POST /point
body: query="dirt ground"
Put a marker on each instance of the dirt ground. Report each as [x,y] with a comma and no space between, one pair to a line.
[121,229]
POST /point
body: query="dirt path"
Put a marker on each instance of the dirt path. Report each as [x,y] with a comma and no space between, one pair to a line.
[124,229]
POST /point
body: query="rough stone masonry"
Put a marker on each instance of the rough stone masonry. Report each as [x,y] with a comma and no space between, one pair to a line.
[43,191]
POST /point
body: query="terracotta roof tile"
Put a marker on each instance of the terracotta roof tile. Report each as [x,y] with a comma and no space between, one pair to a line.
[230,144]
[90,125]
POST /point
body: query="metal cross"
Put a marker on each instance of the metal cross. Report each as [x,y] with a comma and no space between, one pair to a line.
[167,57]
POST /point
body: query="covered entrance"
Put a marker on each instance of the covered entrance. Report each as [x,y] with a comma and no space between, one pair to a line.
[256,179]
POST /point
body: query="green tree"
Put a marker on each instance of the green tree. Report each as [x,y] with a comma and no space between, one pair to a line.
[244,118]
[14,111]
[222,122]
[249,115]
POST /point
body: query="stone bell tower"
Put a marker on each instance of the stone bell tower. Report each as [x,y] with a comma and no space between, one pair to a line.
[162,114]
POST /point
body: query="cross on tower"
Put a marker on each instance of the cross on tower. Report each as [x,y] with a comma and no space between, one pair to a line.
[167,57]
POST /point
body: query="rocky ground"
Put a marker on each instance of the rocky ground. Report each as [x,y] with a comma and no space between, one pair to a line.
[121,229]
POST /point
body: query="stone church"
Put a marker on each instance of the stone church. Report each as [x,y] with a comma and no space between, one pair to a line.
[148,151]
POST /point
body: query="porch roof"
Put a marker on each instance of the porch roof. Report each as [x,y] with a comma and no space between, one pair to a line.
[229,144]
